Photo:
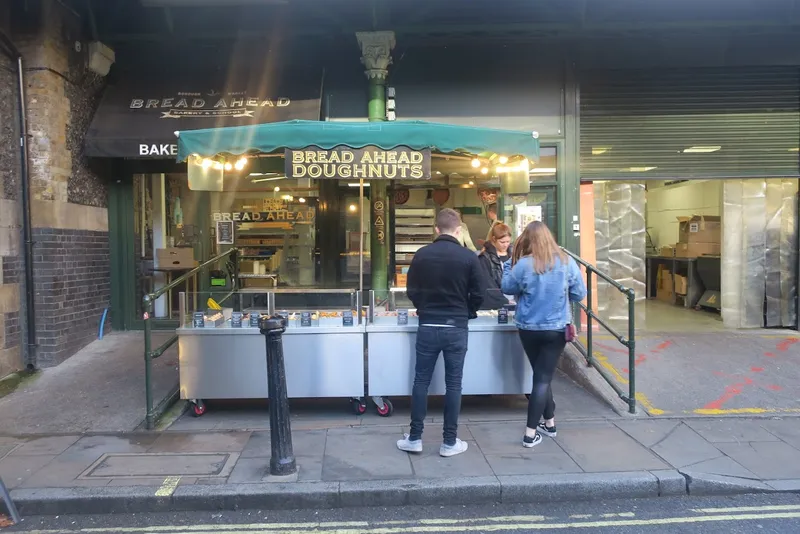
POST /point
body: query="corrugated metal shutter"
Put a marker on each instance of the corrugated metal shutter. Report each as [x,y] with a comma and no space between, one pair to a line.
[637,124]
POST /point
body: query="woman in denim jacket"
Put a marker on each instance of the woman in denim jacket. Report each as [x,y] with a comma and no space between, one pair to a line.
[544,280]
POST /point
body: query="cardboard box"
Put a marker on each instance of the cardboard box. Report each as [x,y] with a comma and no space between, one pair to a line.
[175,258]
[666,281]
[681,284]
[400,280]
[664,295]
[693,250]
[668,252]
[700,229]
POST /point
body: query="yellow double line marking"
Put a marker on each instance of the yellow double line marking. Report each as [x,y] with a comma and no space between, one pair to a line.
[482,524]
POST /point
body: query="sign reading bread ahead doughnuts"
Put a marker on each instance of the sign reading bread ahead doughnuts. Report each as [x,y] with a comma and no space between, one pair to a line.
[369,163]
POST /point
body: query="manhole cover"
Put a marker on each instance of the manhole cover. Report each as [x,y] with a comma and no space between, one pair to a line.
[162,465]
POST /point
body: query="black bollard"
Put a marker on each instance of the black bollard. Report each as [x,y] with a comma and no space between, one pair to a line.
[282,462]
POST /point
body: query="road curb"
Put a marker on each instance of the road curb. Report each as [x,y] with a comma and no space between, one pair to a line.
[704,484]
[313,495]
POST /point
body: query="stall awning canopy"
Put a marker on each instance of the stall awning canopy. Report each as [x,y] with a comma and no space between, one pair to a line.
[139,115]
[299,134]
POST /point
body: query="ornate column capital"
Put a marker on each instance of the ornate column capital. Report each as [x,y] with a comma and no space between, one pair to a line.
[376,52]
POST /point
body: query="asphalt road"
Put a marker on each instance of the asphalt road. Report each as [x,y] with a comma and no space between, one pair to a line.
[768,514]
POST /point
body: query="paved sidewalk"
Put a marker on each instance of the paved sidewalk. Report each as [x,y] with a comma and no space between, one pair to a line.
[360,466]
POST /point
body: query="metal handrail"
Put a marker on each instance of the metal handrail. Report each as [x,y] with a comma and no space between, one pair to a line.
[630,342]
[151,354]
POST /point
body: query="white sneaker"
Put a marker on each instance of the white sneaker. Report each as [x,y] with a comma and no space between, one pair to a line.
[408,445]
[452,450]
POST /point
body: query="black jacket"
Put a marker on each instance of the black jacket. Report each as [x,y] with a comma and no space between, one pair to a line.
[445,283]
[492,269]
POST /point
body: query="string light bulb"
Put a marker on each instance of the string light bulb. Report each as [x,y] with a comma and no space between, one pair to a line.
[277,189]
[476,163]
[485,170]
[240,164]
[503,160]
[301,200]
[228,166]
[206,163]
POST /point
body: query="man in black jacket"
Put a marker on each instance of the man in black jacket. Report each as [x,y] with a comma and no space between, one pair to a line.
[446,286]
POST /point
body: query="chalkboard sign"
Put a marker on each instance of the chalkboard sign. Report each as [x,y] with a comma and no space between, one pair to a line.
[254,317]
[236,320]
[402,317]
[347,318]
[502,316]
[305,319]
[224,232]
[199,320]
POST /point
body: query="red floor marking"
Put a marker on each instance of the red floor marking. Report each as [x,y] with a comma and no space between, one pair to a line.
[731,391]
[611,349]
[769,354]
[784,345]
[757,369]
[773,387]
[662,346]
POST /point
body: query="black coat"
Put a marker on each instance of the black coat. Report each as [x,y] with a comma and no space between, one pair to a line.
[445,283]
[493,273]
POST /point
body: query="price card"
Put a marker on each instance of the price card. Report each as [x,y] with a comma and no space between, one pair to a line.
[347,318]
[402,317]
[254,317]
[236,320]
[502,316]
[199,320]
[305,319]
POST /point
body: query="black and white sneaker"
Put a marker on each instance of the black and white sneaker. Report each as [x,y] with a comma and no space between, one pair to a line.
[530,443]
[549,431]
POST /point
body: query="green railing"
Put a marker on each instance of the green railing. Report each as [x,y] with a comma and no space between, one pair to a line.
[151,354]
[629,342]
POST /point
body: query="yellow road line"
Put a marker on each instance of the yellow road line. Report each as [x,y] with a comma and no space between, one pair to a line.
[738,509]
[168,487]
[743,411]
[319,528]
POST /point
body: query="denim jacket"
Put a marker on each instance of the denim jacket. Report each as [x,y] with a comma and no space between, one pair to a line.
[541,298]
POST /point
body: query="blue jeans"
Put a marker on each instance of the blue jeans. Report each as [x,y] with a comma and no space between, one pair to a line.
[431,341]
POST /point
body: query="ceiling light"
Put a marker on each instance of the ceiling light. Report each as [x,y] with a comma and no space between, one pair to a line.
[701,149]
[597,150]
[240,164]
[476,163]
[484,171]
[356,184]
[543,170]
[353,207]
[301,200]
[503,160]
[207,163]
[640,169]
[794,149]
[471,182]
[228,166]
[277,189]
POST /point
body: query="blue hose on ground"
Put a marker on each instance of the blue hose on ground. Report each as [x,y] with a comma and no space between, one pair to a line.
[102,324]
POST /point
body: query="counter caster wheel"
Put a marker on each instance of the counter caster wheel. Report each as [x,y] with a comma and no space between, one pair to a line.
[198,408]
[385,408]
[359,406]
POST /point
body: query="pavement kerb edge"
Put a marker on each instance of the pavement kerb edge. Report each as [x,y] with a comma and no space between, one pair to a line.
[438,491]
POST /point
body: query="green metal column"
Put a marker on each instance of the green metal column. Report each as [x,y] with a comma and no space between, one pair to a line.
[379,250]
[376,50]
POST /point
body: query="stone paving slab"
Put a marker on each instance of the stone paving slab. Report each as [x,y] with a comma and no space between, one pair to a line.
[588,458]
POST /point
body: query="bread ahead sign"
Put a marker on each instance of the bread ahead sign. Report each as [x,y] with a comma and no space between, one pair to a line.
[369,163]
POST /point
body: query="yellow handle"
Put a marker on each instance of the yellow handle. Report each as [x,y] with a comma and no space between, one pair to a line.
[213,304]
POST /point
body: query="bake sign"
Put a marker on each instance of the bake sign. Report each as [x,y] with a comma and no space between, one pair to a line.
[264,216]
[368,163]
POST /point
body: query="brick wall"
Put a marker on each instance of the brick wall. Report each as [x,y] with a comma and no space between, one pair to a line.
[10,355]
[72,289]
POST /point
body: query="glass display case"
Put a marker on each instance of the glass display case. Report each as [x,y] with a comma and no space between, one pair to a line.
[495,363]
[223,353]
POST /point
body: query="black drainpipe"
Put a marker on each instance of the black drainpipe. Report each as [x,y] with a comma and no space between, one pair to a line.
[30,312]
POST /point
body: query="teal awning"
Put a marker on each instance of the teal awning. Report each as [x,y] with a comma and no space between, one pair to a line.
[418,135]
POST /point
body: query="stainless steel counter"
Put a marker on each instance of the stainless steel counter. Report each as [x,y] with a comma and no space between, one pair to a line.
[230,363]
[495,363]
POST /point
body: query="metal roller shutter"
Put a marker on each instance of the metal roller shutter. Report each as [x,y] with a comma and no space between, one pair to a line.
[734,122]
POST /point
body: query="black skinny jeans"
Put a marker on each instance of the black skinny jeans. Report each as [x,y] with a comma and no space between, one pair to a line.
[543,349]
